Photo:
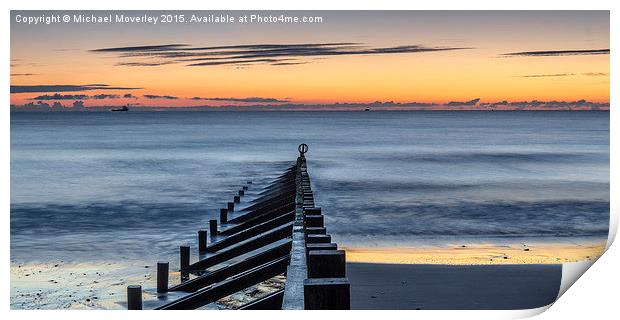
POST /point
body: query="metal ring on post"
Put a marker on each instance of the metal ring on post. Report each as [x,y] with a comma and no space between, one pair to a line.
[303,148]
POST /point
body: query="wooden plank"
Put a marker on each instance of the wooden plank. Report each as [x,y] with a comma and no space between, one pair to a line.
[264,209]
[244,247]
[227,287]
[288,188]
[251,232]
[235,268]
[259,219]
[272,301]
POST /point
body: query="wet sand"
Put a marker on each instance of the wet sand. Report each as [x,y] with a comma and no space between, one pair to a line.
[98,285]
[479,254]
[452,287]
[60,285]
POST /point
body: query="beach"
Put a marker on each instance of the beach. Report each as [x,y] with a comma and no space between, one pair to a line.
[103,286]
[480,254]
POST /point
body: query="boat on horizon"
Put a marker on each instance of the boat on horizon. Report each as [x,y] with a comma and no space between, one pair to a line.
[123,108]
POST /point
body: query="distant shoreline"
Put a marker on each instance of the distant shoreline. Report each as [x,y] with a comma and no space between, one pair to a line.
[183,109]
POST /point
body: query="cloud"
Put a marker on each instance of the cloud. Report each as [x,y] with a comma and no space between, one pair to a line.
[589,74]
[555,53]
[37,105]
[142,64]
[250,99]
[548,105]
[142,48]
[22,74]
[547,75]
[105,96]
[235,62]
[153,96]
[129,96]
[288,63]
[64,88]
[252,54]
[463,103]
[58,96]
[596,74]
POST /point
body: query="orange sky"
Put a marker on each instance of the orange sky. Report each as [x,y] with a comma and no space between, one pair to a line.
[478,67]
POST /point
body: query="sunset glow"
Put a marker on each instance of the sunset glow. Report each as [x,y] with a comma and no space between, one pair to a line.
[430,58]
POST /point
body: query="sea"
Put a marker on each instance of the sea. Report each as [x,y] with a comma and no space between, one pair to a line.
[90,187]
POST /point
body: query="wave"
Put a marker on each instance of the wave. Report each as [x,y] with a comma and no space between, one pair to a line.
[492,157]
[348,185]
[467,218]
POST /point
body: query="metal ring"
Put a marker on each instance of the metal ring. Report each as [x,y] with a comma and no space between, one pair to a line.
[303,148]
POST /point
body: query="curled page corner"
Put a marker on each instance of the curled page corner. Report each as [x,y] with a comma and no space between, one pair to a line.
[571,272]
[574,270]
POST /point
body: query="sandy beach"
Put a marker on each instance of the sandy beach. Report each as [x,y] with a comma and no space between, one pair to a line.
[102,286]
[480,254]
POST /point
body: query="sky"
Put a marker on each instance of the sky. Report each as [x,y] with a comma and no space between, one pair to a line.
[352,59]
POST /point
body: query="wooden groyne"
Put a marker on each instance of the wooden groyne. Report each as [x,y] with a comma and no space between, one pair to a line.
[280,232]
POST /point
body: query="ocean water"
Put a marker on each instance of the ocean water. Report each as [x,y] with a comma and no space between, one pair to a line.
[133,186]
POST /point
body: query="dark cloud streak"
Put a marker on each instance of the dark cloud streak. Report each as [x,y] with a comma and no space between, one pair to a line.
[63,88]
[58,96]
[463,103]
[269,54]
[595,74]
[557,53]
[547,75]
[250,99]
[154,96]
[142,48]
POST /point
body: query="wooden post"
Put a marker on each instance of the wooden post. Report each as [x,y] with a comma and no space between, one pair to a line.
[312,211]
[319,246]
[316,230]
[237,199]
[162,276]
[314,221]
[241,193]
[231,206]
[318,238]
[327,294]
[326,264]
[223,215]
[249,182]
[134,297]
[245,187]
[202,240]
[213,227]
[184,252]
